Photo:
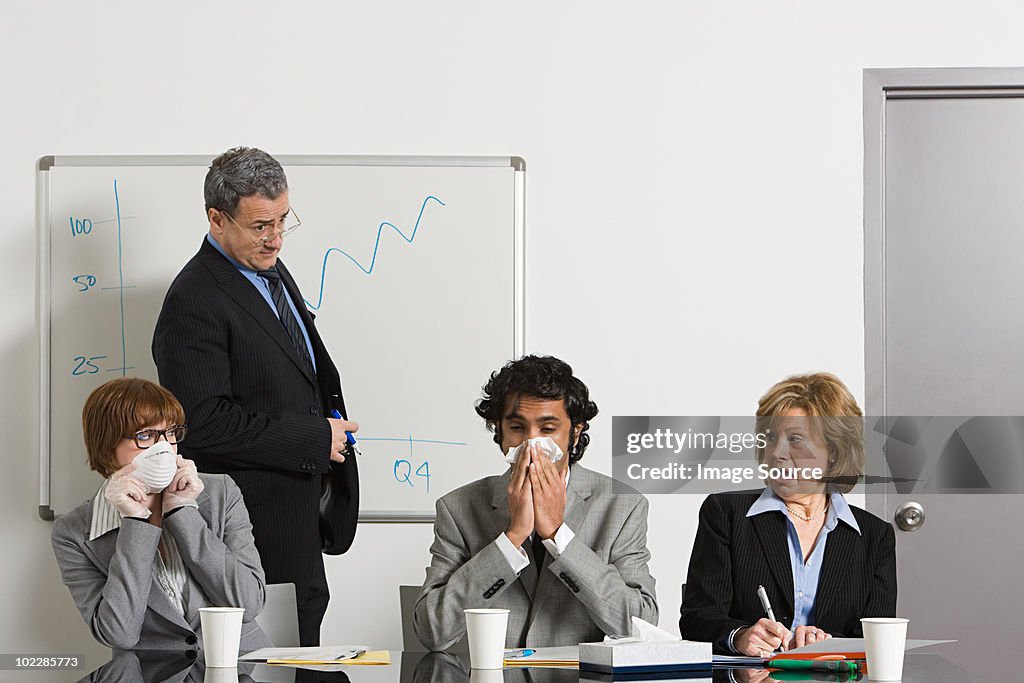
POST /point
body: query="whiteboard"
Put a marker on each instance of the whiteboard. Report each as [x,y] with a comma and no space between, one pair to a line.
[413,267]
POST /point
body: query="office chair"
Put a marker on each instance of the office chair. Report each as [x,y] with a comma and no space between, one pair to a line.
[280,616]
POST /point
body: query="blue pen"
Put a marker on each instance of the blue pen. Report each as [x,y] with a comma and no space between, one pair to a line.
[516,654]
[349,439]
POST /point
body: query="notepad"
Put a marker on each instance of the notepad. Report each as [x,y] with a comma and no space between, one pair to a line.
[567,656]
[336,654]
[850,648]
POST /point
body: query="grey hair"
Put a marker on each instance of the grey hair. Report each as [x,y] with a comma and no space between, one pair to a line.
[242,172]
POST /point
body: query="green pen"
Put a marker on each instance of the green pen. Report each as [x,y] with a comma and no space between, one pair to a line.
[838,676]
[814,665]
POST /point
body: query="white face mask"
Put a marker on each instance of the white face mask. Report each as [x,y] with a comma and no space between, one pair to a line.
[155,466]
[547,446]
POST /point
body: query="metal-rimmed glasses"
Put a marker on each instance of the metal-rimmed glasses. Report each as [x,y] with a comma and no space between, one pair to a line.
[147,437]
[267,231]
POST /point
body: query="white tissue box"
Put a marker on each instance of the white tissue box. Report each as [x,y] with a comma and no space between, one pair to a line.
[645,656]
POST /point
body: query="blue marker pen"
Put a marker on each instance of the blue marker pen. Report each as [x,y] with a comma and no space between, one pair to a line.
[349,439]
[517,654]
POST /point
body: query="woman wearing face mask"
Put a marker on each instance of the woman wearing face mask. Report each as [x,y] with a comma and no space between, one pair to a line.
[823,563]
[158,540]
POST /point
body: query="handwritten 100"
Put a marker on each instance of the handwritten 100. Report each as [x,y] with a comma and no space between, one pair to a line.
[81,226]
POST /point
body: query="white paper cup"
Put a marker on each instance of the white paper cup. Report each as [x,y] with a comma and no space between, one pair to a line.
[486,676]
[486,629]
[222,632]
[885,639]
[222,674]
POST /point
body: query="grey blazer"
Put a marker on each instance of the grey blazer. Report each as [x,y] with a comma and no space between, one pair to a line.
[592,589]
[113,579]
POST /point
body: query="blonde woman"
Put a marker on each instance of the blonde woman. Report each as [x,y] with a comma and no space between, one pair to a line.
[823,563]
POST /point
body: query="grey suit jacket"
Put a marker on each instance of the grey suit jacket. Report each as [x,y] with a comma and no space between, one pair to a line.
[592,589]
[113,579]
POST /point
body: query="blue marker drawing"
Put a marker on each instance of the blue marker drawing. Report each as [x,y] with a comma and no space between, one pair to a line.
[423,470]
[373,259]
[120,277]
[411,440]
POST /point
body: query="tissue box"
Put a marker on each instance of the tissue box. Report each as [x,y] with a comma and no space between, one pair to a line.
[645,656]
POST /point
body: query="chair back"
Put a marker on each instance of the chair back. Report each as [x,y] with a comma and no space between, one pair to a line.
[280,616]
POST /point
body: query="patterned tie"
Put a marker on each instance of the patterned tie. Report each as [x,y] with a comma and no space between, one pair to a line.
[291,325]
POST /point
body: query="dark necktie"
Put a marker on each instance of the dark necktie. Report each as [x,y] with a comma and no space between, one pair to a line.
[540,553]
[284,311]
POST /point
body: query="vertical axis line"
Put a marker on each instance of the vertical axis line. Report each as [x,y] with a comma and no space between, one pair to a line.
[120,283]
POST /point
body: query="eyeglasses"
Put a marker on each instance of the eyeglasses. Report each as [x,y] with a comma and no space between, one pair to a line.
[148,437]
[267,231]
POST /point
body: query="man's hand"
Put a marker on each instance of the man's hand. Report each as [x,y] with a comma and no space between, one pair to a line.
[339,441]
[548,493]
[520,501]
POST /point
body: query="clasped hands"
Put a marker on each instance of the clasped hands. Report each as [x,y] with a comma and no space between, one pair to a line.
[536,496]
[131,497]
[767,636]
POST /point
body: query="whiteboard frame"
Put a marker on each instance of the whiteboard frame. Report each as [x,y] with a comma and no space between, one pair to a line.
[45,163]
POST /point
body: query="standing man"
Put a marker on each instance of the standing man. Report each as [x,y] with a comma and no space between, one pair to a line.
[236,345]
[550,541]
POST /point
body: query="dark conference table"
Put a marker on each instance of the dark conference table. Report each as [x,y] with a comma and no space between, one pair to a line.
[422,667]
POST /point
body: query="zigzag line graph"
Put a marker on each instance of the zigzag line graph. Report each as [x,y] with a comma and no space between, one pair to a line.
[368,270]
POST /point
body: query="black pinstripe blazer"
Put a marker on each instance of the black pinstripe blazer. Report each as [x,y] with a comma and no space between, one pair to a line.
[733,554]
[254,411]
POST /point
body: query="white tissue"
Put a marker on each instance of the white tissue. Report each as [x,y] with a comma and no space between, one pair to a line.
[547,446]
[155,466]
[643,631]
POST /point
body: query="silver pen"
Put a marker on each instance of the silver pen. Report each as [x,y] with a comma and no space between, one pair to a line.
[763,597]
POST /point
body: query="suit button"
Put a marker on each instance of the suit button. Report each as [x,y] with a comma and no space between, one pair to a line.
[191,654]
[313,410]
[563,577]
[190,639]
[501,582]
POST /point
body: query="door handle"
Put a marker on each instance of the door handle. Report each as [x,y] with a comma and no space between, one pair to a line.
[910,516]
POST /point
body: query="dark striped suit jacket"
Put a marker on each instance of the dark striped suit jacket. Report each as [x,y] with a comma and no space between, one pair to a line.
[733,554]
[253,409]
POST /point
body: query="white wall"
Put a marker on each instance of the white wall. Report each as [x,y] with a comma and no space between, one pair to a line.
[694,193]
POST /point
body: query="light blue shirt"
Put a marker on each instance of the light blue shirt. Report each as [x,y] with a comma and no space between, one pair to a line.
[806,574]
[260,283]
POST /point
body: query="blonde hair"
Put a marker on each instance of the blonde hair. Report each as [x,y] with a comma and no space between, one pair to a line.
[837,421]
[119,408]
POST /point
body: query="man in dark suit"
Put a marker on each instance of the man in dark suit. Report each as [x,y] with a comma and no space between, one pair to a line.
[236,345]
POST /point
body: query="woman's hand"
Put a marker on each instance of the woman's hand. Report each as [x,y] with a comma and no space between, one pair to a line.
[805,635]
[184,488]
[761,639]
[129,495]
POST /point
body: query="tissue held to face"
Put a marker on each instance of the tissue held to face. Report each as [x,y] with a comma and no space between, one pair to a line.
[155,466]
[535,419]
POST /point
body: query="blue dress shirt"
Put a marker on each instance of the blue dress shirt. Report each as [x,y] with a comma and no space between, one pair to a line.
[805,574]
[260,283]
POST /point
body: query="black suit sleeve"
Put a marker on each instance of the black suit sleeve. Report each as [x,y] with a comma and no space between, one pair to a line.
[882,597]
[704,614]
[196,351]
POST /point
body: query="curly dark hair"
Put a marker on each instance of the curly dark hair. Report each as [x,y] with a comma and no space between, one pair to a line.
[543,377]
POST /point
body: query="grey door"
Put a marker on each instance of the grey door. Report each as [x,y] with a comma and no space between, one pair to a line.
[944,335]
